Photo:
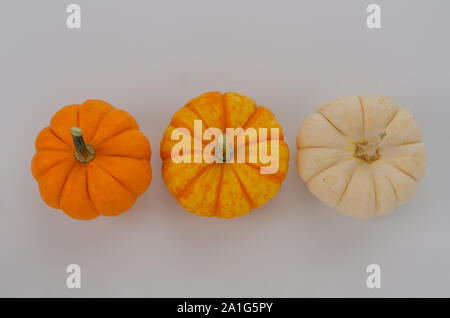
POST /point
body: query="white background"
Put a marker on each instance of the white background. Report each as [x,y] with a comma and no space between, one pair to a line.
[150,58]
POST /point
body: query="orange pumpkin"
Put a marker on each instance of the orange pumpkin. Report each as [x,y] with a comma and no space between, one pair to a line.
[222,188]
[92,160]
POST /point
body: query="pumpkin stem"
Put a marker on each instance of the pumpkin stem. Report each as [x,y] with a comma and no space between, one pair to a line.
[223,151]
[83,153]
[368,150]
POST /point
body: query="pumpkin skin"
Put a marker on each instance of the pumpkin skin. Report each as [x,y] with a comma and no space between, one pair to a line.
[361,155]
[224,190]
[115,176]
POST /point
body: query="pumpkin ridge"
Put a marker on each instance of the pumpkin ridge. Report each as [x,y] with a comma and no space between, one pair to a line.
[407,143]
[374,191]
[185,166]
[64,183]
[247,143]
[56,135]
[227,121]
[41,173]
[129,124]
[251,116]
[115,135]
[331,123]
[190,131]
[270,176]
[319,147]
[219,188]
[393,189]
[257,141]
[190,183]
[392,119]
[401,170]
[280,136]
[334,164]
[115,178]
[243,188]
[88,194]
[363,126]
[198,114]
[346,186]
[94,132]
[121,156]
[52,149]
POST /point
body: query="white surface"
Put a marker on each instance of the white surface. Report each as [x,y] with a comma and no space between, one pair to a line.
[150,58]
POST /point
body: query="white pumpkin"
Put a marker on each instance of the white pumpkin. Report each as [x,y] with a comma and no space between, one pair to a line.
[361,155]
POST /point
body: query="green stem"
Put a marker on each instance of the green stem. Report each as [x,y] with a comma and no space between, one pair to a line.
[83,153]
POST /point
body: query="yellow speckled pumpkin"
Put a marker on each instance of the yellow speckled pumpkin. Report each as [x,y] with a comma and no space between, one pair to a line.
[222,189]
[92,160]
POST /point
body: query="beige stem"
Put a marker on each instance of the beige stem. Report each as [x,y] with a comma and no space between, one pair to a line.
[369,150]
